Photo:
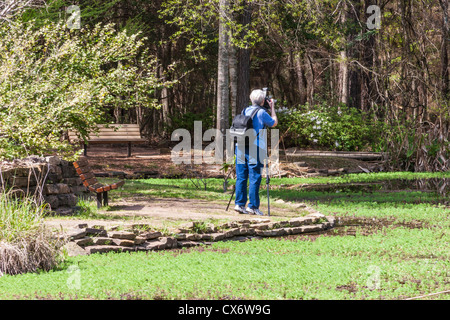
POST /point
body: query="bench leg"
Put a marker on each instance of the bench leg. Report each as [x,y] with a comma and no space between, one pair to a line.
[105,198]
[129,149]
[99,199]
[85,149]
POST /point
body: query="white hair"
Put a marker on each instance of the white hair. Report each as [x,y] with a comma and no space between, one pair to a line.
[257,96]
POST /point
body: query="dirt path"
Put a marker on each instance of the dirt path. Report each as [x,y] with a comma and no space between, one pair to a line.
[169,213]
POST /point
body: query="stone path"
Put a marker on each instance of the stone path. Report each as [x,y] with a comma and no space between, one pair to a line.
[83,240]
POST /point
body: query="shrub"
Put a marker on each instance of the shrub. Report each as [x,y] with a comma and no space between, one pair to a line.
[25,244]
[55,79]
[327,127]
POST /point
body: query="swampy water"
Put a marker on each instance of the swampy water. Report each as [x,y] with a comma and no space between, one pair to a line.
[432,190]
[434,185]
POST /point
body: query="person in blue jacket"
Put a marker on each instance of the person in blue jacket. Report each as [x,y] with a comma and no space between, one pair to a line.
[248,162]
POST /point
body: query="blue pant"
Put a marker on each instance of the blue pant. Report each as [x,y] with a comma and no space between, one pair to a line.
[245,171]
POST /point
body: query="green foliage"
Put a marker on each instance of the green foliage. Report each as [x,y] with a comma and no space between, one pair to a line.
[18,216]
[54,79]
[329,127]
[415,146]
[196,21]
[186,120]
[87,209]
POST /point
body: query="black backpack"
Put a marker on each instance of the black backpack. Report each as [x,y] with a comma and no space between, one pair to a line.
[241,123]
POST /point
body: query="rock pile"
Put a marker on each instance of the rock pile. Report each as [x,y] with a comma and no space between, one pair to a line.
[139,237]
[52,177]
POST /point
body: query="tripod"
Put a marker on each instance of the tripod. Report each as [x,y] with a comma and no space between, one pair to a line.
[266,164]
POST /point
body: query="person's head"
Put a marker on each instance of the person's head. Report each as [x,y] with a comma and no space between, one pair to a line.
[257,97]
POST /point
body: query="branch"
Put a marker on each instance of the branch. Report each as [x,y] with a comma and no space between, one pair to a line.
[10,8]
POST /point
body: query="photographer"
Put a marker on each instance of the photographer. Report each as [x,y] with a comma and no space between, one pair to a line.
[248,164]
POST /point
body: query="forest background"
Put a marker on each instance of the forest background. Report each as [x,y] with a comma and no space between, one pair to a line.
[340,82]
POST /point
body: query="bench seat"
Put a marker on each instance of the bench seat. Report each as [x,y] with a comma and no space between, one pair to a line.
[112,134]
[91,183]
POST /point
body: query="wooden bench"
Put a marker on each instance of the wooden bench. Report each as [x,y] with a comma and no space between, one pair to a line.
[114,134]
[91,183]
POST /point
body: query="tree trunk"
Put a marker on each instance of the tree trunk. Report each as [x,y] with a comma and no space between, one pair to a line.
[223,100]
[233,69]
[243,77]
[301,81]
[343,63]
[444,50]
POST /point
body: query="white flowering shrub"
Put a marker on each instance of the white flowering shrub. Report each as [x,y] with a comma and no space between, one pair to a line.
[327,127]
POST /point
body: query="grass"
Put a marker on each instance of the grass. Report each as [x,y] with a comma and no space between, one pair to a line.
[386,265]
[25,244]
[394,261]
[18,216]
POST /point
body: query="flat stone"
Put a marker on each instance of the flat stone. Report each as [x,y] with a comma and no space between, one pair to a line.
[312,228]
[82,225]
[217,236]
[52,200]
[123,242]
[326,225]
[193,236]
[331,220]
[154,245]
[151,235]
[231,224]
[102,241]
[73,249]
[278,224]
[84,241]
[96,232]
[206,237]
[169,242]
[295,230]
[76,234]
[296,222]
[261,226]
[232,232]
[272,233]
[180,236]
[246,231]
[122,235]
[57,188]
[139,240]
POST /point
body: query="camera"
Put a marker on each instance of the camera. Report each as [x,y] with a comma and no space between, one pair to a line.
[266,104]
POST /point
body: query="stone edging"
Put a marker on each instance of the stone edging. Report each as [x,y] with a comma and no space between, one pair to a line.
[137,237]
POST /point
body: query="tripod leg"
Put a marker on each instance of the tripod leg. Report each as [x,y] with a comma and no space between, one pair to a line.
[267,186]
[234,190]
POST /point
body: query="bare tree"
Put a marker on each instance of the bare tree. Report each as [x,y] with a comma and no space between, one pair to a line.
[10,8]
